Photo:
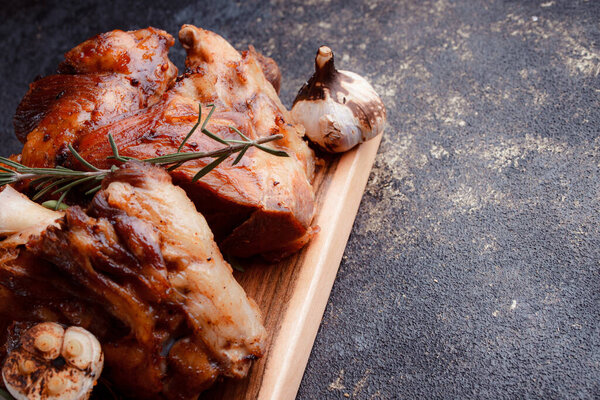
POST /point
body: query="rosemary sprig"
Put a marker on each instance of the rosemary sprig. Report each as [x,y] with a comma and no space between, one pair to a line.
[61,180]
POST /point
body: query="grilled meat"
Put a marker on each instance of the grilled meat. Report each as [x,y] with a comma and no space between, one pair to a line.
[264,205]
[102,79]
[140,270]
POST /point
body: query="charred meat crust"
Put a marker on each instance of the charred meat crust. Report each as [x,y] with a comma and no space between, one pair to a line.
[103,78]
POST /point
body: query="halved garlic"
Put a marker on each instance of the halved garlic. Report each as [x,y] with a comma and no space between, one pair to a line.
[53,363]
[339,109]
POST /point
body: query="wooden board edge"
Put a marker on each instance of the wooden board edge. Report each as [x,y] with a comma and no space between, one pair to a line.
[293,343]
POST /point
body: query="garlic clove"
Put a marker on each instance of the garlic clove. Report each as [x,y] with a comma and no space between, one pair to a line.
[21,372]
[32,372]
[18,213]
[339,109]
[55,384]
[27,366]
[44,339]
[82,350]
[66,384]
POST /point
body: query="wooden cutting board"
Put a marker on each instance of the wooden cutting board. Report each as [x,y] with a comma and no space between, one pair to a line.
[293,293]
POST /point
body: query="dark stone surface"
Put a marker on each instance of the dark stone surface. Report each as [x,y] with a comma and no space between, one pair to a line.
[473,267]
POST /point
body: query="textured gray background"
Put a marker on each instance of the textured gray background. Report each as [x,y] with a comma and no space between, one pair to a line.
[473,266]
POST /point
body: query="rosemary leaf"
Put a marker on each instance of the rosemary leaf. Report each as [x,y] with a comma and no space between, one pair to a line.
[191,132]
[93,190]
[238,267]
[236,130]
[209,167]
[175,158]
[240,155]
[48,188]
[61,198]
[175,166]
[81,159]
[278,153]
[53,205]
[206,131]
[121,158]
[213,136]
[113,146]
[235,263]
[115,150]
[9,162]
[54,172]
[73,184]
[235,141]
[38,183]
[210,113]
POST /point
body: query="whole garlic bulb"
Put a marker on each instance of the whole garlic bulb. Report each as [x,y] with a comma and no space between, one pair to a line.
[339,109]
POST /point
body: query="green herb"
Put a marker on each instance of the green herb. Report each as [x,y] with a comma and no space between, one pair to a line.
[60,180]
[55,205]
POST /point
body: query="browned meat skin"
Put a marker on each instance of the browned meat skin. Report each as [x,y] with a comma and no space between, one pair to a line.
[141,56]
[264,205]
[141,264]
[100,80]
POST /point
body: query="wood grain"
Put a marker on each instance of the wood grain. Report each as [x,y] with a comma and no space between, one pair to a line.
[293,293]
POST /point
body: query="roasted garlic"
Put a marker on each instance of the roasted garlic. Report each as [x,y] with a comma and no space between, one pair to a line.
[339,109]
[52,363]
[18,213]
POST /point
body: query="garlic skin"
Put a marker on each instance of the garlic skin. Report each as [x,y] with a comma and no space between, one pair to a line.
[53,363]
[339,109]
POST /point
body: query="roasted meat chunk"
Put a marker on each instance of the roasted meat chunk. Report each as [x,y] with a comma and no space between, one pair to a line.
[100,80]
[142,263]
[263,205]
